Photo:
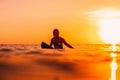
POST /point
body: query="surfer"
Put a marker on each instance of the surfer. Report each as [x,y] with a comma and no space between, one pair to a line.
[58,41]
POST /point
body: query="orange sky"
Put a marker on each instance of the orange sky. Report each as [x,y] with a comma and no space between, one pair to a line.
[32,21]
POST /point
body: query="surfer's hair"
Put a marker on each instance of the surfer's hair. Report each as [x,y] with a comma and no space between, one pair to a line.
[56,31]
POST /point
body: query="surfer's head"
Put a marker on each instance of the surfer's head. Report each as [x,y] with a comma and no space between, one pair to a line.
[55,32]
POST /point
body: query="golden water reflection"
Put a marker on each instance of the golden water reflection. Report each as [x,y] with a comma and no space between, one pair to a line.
[113,64]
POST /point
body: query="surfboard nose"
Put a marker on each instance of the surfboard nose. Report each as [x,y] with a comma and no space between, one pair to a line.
[45,45]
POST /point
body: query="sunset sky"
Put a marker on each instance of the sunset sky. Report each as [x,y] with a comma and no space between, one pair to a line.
[32,21]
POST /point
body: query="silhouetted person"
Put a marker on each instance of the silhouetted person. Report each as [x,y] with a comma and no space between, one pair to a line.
[58,41]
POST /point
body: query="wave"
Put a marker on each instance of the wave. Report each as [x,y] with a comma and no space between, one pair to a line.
[6,50]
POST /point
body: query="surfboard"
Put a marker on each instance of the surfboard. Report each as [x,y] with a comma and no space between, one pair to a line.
[45,46]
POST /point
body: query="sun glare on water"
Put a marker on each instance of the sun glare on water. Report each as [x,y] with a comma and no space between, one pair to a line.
[113,64]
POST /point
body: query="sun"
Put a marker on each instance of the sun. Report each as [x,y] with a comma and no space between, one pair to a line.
[108,21]
[109,30]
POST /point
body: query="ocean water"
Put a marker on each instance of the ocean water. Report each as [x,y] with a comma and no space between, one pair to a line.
[84,62]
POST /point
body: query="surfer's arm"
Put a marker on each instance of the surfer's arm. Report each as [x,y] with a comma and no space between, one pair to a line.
[51,43]
[68,45]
